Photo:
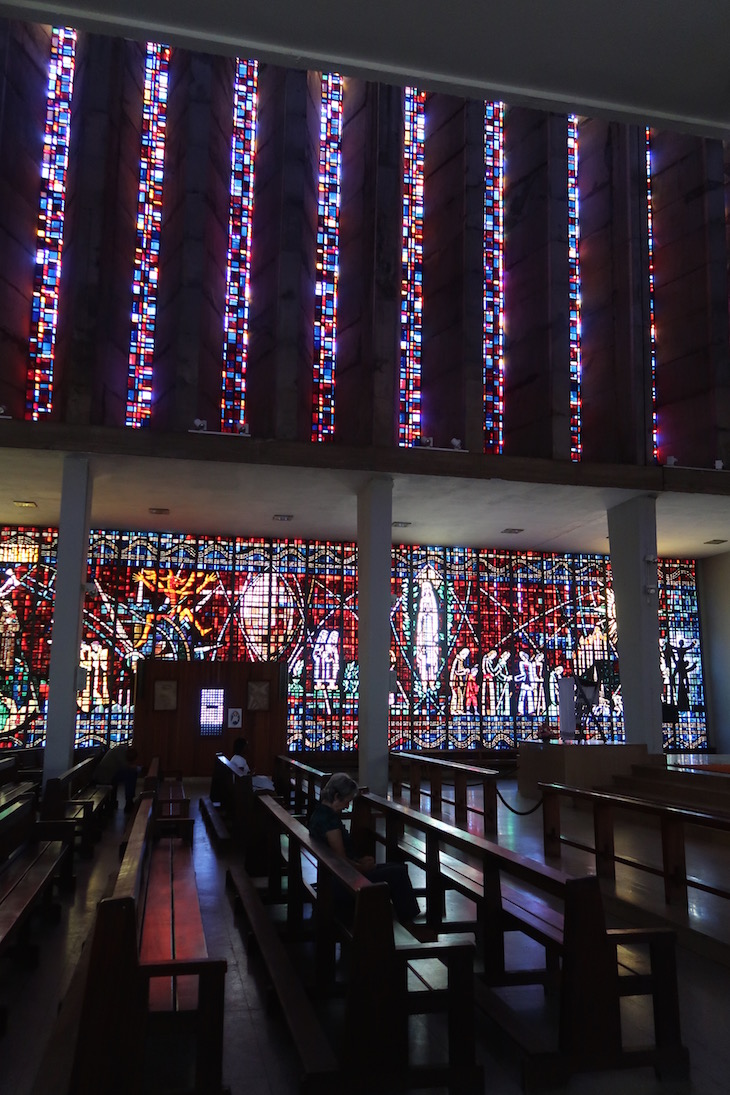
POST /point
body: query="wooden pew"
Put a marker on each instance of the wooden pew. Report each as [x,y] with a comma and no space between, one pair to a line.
[172,808]
[35,857]
[72,796]
[230,815]
[348,909]
[8,768]
[415,769]
[590,966]
[149,974]
[298,784]
[671,823]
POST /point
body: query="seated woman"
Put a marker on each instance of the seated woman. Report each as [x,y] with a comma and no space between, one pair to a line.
[326,824]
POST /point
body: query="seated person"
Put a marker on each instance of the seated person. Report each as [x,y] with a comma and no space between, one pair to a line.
[326,824]
[259,783]
[119,765]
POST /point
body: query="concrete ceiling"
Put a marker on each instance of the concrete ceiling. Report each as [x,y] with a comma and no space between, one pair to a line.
[242,498]
[659,62]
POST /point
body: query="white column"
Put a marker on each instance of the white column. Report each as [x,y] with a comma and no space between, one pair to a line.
[374,516]
[632,536]
[713,594]
[73,547]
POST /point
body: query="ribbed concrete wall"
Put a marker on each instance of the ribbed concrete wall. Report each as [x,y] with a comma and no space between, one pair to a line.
[95,301]
[368,316]
[693,368]
[24,55]
[279,375]
[453,272]
[537,341]
[194,242]
[615,343]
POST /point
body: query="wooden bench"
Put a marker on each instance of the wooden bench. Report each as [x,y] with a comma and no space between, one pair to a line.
[381,957]
[172,808]
[8,767]
[671,822]
[298,784]
[230,815]
[415,769]
[35,858]
[319,1064]
[673,785]
[590,967]
[150,976]
[72,796]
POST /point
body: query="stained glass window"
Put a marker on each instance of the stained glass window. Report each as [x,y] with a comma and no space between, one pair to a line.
[328,258]
[44,307]
[479,638]
[149,224]
[240,222]
[410,425]
[683,695]
[652,315]
[575,288]
[493,277]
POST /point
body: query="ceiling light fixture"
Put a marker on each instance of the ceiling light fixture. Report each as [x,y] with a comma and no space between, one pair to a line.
[511,531]
[22,503]
[401,524]
[715,541]
[283,516]
[158,510]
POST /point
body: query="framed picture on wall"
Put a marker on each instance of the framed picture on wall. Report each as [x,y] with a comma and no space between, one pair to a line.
[165,698]
[258,696]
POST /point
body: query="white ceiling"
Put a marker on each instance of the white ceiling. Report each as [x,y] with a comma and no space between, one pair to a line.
[662,62]
[229,497]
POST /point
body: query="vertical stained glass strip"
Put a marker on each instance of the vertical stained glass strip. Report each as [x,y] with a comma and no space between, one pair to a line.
[575,289]
[409,429]
[238,273]
[652,316]
[149,224]
[328,258]
[44,307]
[493,277]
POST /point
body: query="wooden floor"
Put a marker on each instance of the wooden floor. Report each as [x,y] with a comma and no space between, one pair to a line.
[258,1058]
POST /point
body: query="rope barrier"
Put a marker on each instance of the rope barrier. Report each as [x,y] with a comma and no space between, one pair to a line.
[522,813]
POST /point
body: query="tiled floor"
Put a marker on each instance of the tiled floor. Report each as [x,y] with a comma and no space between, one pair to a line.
[258,1058]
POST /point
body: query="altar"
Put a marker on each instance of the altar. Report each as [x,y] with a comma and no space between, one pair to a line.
[578,764]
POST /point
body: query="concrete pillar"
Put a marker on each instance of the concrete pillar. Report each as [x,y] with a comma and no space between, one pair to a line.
[453,272]
[632,536]
[369,297]
[691,300]
[616,390]
[374,516]
[537,302]
[194,242]
[713,589]
[94,326]
[281,348]
[73,549]
[25,51]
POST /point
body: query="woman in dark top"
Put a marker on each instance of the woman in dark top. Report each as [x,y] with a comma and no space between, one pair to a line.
[326,825]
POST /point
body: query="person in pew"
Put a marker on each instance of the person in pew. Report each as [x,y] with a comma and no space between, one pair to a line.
[259,783]
[326,825]
[119,765]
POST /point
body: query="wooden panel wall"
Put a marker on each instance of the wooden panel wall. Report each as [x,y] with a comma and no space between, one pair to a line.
[174,735]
